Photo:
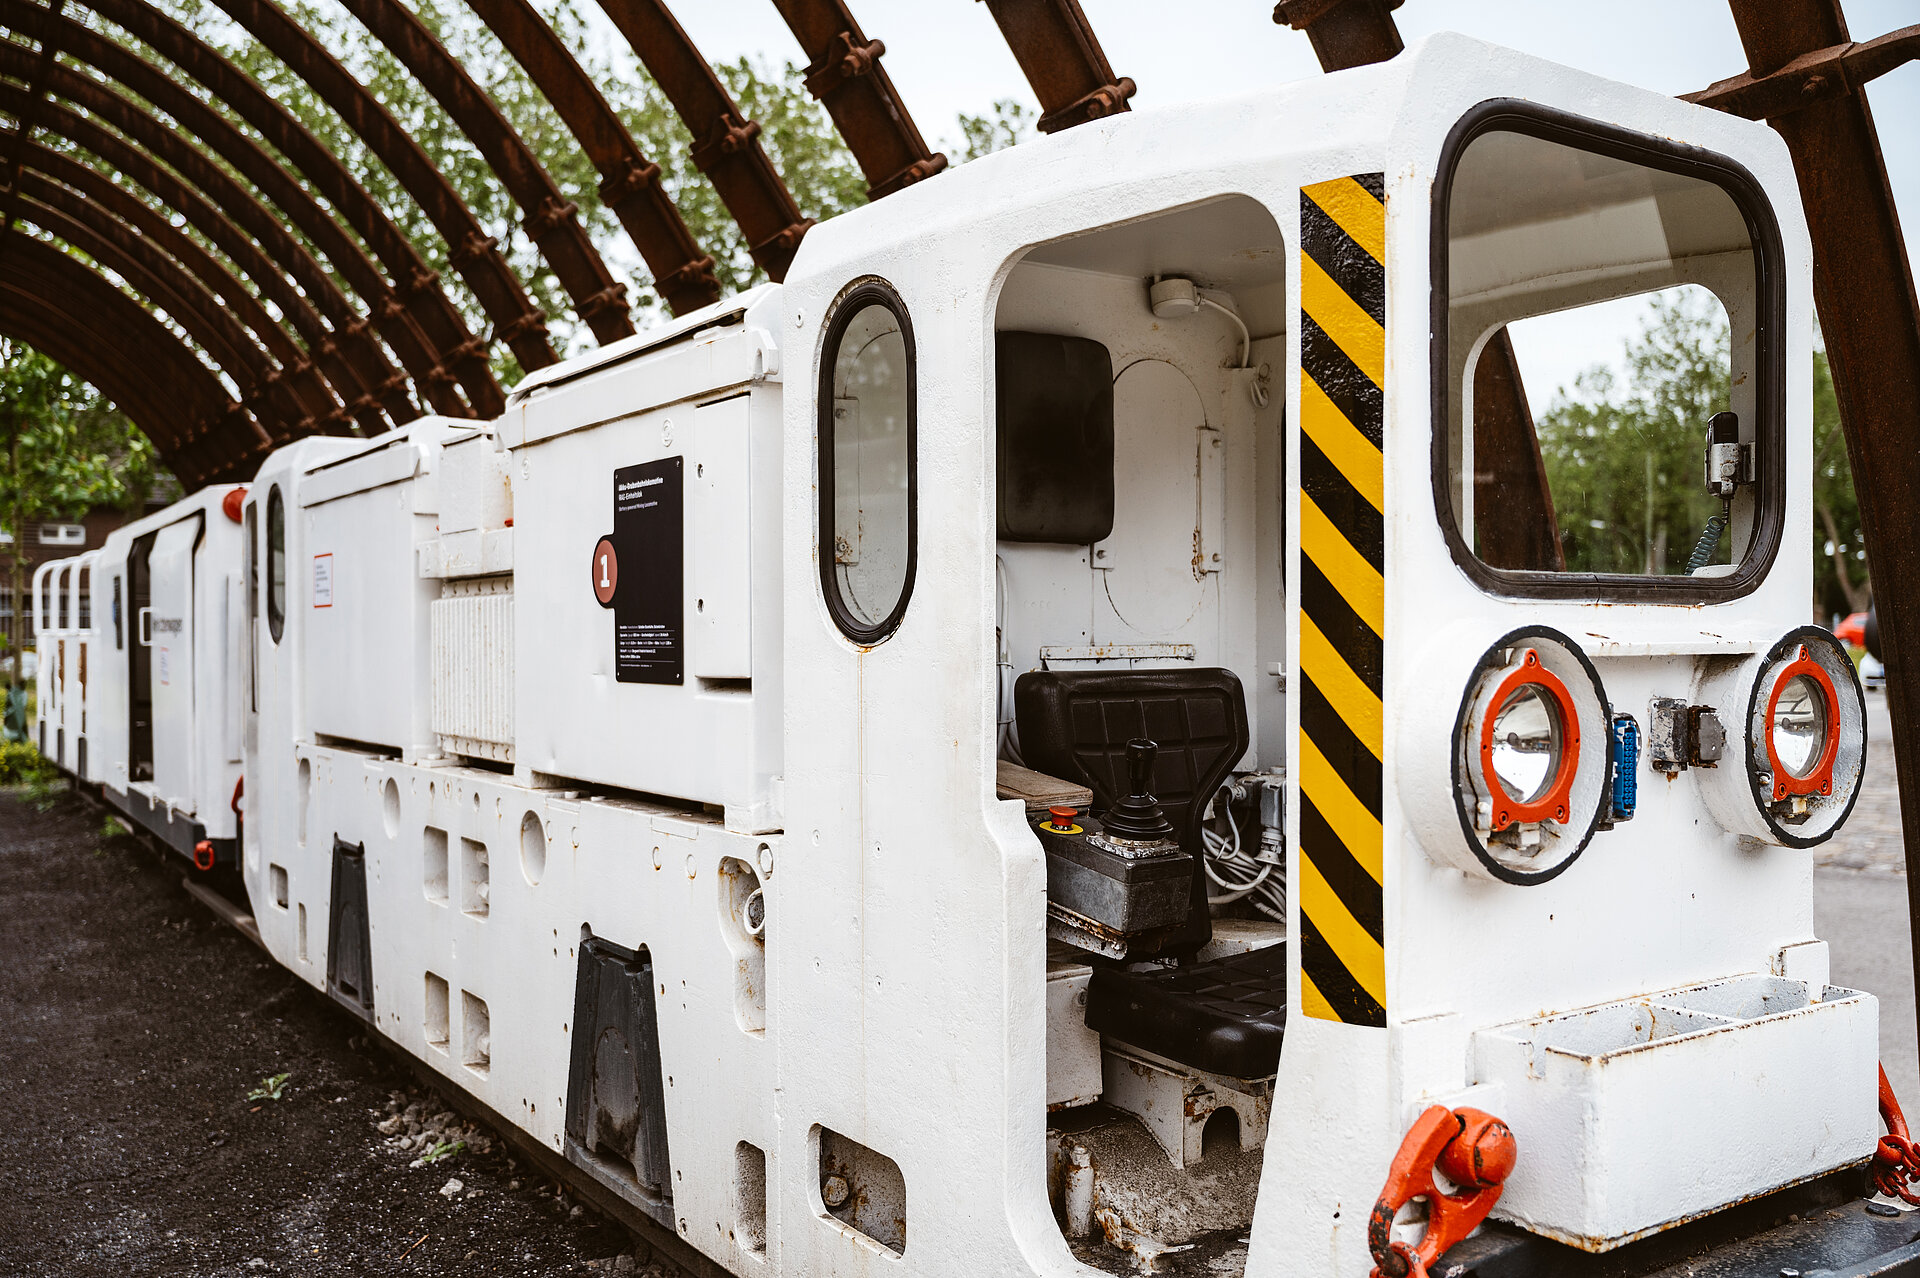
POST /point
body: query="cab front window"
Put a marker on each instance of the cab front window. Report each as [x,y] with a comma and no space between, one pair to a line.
[1554,240]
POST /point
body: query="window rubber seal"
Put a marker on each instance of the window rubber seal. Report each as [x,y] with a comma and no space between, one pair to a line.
[870,291]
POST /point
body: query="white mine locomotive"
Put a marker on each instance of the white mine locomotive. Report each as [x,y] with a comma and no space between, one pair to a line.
[1070,724]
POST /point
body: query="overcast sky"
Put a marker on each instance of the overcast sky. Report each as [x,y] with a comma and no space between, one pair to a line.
[946,56]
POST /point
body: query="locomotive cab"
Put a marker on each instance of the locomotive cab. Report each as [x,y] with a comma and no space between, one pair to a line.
[1182,533]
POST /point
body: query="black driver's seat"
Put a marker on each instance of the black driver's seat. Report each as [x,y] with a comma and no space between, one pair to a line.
[1226,1015]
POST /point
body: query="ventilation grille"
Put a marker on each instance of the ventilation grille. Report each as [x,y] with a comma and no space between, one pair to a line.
[473,668]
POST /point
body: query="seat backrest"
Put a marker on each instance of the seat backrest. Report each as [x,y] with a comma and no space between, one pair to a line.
[1075,725]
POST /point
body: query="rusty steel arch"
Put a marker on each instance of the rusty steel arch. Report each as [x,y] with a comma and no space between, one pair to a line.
[336,349]
[726,145]
[629,181]
[551,221]
[62,183]
[233,218]
[456,355]
[166,282]
[53,301]
[321,340]
[474,254]
[845,75]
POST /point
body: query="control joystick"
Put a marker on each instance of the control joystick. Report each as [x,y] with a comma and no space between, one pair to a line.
[1138,818]
[1121,880]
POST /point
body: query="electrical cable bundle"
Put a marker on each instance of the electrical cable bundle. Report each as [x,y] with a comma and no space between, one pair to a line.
[1259,878]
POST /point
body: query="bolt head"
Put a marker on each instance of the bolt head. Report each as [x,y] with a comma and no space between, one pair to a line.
[834,1191]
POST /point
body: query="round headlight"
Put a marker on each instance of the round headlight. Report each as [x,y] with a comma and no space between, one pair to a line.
[1529,747]
[1530,758]
[1806,739]
[1801,729]
[1526,752]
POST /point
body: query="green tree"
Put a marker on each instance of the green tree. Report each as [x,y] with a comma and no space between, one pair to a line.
[1624,460]
[1009,123]
[1840,580]
[1624,463]
[66,451]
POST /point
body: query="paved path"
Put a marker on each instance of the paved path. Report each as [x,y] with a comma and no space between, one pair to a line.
[1870,840]
[1860,907]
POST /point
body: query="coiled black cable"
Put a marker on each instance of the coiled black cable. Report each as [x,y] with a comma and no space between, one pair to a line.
[1709,539]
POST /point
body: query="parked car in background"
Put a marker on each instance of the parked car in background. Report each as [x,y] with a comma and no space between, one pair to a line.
[1852,631]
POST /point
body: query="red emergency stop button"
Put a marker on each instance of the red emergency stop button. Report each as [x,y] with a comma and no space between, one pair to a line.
[1063,817]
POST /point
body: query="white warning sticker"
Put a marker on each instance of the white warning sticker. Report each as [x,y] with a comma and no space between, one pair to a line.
[323,581]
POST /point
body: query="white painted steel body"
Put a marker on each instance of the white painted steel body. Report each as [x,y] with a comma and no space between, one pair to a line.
[444,695]
[1690,1082]
[191,635]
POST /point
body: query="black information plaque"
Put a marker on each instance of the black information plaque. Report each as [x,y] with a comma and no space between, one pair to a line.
[649,607]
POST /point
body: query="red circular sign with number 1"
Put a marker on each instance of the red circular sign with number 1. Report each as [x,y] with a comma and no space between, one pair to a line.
[606,572]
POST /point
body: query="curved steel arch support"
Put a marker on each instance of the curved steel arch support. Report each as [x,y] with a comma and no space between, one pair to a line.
[23,130]
[726,147]
[629,182]
[456,354]
[844,73]
[474,253]
[162,282]
[1869,315]
[53,302]
[434,338]
[61,183]
[272,284]
[1058,53]
[240,224]
[552,222]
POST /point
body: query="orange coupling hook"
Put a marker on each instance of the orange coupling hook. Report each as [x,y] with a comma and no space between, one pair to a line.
[1475,1151]
[1896,1161]
[203,855]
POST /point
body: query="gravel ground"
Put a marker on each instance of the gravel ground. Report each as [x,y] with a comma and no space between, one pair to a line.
[132,1028]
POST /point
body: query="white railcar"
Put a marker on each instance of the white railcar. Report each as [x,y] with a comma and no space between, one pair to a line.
[163,705]
[62,627]
[731,767]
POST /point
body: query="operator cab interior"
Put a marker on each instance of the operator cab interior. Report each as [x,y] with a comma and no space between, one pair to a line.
[1141,706]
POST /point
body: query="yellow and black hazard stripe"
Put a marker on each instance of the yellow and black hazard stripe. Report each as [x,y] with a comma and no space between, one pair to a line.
[1343,299]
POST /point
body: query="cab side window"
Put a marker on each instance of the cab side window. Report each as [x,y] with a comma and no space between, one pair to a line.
[276,563]
[867,515]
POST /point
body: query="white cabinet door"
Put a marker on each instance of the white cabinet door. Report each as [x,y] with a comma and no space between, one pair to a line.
[168,630]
